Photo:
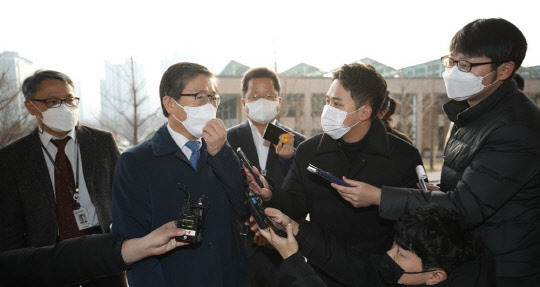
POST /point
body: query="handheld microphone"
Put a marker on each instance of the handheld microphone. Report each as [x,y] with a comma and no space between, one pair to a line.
[422,176]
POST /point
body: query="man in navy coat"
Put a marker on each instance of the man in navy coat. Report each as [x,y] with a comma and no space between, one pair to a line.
[187,156]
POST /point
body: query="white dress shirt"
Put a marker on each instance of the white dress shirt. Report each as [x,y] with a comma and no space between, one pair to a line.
[181,141]
[262,146]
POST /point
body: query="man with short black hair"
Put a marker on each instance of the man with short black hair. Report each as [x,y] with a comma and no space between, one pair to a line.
[56,182]
[491,170]
[354,144]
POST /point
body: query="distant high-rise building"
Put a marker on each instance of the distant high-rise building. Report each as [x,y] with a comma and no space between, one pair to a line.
[13,70]
[117,89]
[14,120]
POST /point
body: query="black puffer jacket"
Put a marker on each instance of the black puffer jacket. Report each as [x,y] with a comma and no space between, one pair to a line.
[491,177]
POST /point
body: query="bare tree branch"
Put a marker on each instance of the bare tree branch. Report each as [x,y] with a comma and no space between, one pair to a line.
[131,122]
[14,119]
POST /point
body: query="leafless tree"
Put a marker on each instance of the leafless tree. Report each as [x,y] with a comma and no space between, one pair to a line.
[14,118]
[404,114]
[125,116]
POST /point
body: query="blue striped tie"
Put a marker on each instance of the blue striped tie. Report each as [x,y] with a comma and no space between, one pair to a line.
[195,153]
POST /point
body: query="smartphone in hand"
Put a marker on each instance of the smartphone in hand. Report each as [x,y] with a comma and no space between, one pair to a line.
[247,164]
[326,175]
[272,133]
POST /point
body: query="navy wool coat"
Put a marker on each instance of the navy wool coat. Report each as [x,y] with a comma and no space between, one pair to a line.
[146,195]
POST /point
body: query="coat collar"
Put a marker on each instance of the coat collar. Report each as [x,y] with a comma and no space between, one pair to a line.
[89,151]
[377,143]
[248,145]
[163,143]
[461,113]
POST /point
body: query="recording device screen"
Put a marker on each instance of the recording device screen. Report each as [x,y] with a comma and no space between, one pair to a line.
[247,164]
[326,175]
[272,133]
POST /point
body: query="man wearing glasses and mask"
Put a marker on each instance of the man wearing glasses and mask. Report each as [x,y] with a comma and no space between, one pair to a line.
[56,182]
[188,158]
[262,102]
[491,170]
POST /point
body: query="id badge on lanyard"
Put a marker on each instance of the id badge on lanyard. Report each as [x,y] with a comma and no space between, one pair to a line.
[81,213]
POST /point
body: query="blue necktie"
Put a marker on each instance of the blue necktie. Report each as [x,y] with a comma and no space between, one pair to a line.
[195,153]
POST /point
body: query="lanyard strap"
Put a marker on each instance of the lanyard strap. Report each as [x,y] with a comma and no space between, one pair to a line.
[76,192]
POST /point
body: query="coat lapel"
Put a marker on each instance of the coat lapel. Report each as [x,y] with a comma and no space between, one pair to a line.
[248,145]
[88,149]
[163,144]
[34,163]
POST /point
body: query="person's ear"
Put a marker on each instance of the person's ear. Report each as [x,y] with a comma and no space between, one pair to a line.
[436,277]
[365,113]
[31,108]
[168,103]
[244,106]
[280,99]
[505,71]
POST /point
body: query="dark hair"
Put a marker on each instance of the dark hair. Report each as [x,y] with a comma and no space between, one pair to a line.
[364,83]
[494,38]
[519,81]
[31,84]
[390,106]
[174,80]
[257,73]
[438,237]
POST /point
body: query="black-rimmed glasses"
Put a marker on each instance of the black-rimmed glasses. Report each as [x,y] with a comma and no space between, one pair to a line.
[463,65]
[55,103]
[203,98]
[255,97]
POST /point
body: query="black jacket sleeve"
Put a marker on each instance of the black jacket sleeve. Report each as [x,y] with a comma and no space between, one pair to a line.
[292,198]
[346,263]
[295,272]
[69,262]
[228,169]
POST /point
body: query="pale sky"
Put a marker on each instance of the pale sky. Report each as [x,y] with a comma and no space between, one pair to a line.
[77,37]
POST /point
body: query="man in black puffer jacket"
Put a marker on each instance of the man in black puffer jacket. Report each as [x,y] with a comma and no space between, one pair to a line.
[491,171]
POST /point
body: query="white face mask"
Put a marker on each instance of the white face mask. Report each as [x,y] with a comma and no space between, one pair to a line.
[262,110]
[462,85]
[61,119]
[332,121]
[197,117]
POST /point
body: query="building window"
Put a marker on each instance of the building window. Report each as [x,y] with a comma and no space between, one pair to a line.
[317,104]
[227,110]
[292,106]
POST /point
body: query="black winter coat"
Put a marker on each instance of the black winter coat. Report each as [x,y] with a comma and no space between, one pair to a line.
[491,177]
[70,261]
[384,160]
